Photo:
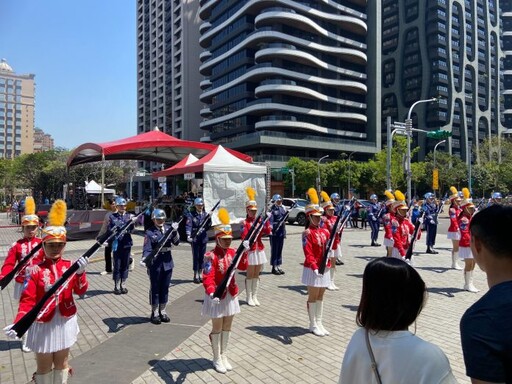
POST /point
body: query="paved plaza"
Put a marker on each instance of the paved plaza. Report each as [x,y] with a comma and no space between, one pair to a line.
[269,344]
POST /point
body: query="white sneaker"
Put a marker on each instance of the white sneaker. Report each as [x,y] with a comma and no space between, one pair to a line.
[103,273]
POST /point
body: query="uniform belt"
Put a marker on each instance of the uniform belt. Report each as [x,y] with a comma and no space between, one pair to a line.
[166,249]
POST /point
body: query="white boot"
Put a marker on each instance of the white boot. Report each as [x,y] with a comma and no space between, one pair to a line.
[217,359]
[60,376]
[45,378]
[468,278]
[255,286]
[24,347]
[455,258]
[313,326]
[332,286]
[248,291]
[319,316]
[224,348]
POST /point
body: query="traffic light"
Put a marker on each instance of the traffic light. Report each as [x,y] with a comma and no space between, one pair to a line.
[440,134]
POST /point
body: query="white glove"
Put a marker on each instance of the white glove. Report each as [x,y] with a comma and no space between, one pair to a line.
[189,239]
[175,226]
[246,244]
[316,272]
[269,214]
[374,218]
[142,263]
[420,219]
[82,263]
[215,300]
[433,222]
[11,333]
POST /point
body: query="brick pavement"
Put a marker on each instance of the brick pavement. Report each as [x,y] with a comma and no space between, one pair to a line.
[270,343]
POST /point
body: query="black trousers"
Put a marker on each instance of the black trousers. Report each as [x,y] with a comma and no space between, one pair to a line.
[108,258]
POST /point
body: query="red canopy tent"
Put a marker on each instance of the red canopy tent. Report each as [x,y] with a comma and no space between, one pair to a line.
[150,146]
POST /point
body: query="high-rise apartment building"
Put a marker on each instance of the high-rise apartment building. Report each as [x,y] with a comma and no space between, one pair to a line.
[42,141]
[451,49]
[16,112]
[168,67]
[291,78]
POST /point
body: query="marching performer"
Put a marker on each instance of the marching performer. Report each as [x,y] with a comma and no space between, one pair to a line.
[464,218]
[430,207]
[20,249]
[328,221]
[338,209]
[495,199]
[401,227]
[121,247]
[256,255]
[221,311]
[278,234]
[314,242]
[194,220]
[453,230]
[387,218]
[374,211]
[56,330]
[161,266]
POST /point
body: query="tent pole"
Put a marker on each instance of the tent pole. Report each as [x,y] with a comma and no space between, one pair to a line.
[102,180]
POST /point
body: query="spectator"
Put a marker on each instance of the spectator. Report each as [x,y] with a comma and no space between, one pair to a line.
[486,327]
[392,298]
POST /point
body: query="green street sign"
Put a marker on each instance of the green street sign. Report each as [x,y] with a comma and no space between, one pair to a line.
[440,134]
[285,170]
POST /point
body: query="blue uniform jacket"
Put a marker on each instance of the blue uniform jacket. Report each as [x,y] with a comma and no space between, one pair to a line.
[278,213]
[194,220]
[118,219]
[373,211]
[430,213]
[164,257]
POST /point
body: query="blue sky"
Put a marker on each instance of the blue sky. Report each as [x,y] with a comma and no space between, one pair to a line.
[83,53]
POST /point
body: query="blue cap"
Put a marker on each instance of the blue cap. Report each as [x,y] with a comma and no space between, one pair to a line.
[158,214]
[198,201]
[374,196]
[120,201]
[428,195]
[496,195]
[277,197]
[335,196]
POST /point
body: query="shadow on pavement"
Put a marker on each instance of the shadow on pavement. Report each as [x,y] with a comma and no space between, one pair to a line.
[282,334]
[368,258]
[352,308]
[116,324]
[181,367]
[178,282]
[360,245]
[358,275]
[95,292]
[435,269]
[448,292]
[8,345]
[302,289]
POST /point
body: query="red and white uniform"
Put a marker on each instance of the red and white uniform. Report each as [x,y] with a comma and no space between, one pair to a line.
[453,229]
[388,230]
[16,253]
[43,276]
[216,264]
[465,237]
[256,255]
[314,242]
[57,328]
[328,223]
[401,228]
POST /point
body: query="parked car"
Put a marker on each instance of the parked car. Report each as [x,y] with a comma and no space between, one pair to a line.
[298,212]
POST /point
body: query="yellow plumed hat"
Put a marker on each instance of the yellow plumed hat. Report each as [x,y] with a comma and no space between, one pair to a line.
[399,200]
[467,201]
[251,196]
[390,197]
[313,208]
[30,217]
[223,230]
[55,231]
[326,200]
[455,193]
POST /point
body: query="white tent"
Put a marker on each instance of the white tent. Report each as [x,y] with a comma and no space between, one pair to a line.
[225,178]
[93,187]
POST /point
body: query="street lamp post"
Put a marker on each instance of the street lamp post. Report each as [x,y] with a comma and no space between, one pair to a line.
[435,147]
[408,130]
[349,173]
[435,171]
[319,183]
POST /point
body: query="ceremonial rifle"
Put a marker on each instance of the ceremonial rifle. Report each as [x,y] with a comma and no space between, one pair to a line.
[23,324]
[417,226]
[251,236]
[343,218]
[148,260]
[11,275]
[201,226]
[285,217]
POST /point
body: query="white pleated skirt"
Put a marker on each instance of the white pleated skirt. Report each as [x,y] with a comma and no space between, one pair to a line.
[396,254]
[18,288]
[228,306]
[465,253]
[388,242]
[256,257]
[453,235]
[58,334]
[311,280]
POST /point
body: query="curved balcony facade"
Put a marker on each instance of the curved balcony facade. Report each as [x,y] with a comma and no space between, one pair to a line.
[284,67]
